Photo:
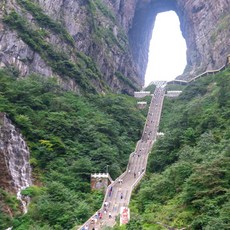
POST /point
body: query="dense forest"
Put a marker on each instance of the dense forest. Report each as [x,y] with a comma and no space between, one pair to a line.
[69,137]
[188,180]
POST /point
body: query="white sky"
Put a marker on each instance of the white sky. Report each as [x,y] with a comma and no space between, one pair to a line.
[167,52]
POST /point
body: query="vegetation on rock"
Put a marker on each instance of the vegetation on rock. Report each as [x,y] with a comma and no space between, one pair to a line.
[103,24]
[69,137]
[45,21]
[70,63]
[188,180]
[127,81]
[40,31]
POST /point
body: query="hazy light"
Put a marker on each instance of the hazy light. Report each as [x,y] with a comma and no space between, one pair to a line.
[167,52]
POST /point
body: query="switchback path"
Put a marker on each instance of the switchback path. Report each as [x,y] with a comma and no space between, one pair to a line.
[119,192]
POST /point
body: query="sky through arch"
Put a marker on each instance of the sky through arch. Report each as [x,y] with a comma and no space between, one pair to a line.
[167,51]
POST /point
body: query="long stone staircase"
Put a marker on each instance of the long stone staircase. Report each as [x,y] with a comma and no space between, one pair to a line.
[118,193]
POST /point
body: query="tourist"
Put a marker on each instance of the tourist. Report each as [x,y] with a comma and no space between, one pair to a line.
[106,204]
[110,191]
[115,207]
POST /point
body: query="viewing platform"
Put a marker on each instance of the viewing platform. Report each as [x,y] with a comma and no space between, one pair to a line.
[141,104]
[100,181]
[141,94]
[118,193]
[173,93]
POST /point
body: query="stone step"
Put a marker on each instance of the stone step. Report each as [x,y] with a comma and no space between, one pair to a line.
[136,164]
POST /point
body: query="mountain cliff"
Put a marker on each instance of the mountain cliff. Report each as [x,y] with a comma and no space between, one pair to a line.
[187,184]
[69,137]
[89,47]
[14,161]
[103,45]
[204,25]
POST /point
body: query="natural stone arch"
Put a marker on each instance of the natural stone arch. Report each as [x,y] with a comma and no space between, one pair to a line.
[199,22]
[141,31]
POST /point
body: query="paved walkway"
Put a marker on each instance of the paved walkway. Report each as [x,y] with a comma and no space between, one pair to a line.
[119,192]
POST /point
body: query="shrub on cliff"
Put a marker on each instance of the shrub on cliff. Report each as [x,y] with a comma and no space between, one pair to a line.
[188,172]
[70,137]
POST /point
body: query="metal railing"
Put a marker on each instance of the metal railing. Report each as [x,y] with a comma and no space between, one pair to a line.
[151,142]
[208,72]
[108,188]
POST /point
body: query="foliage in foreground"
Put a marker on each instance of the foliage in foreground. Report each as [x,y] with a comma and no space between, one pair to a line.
[188,180]
[69,137]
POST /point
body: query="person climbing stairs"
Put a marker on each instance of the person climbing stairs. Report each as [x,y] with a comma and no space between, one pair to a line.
[118,193]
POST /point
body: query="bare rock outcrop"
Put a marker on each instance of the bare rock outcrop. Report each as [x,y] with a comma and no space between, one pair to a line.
[15,171]
[116,36]
[204,25]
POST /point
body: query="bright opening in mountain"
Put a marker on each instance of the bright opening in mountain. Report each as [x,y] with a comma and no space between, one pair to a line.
[167,52]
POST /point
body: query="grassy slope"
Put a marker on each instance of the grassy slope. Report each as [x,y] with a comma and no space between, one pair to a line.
[188,178]
[69,137]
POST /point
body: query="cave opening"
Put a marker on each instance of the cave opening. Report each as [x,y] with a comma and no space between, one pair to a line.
[167,50]
[142,31]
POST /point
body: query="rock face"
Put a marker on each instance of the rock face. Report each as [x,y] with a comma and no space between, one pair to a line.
[204,25]
[207,33]
[95,31]
[14,160]
[116,34]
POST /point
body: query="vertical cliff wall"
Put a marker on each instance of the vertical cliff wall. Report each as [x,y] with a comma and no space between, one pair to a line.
[94,43]
[105,42]
[15,171]
[204,25]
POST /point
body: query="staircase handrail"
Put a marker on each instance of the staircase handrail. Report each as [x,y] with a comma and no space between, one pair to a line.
[123,174]
[112,184]
[207,72]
